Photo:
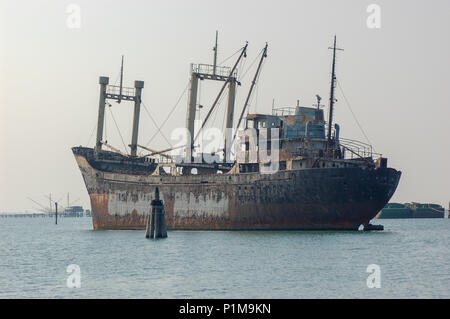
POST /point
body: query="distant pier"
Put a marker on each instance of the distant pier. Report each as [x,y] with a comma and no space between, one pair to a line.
[41,215]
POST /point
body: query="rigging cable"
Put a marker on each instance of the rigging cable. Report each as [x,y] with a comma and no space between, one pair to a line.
[250,102]
[117,79]
[170,113]
[229,57]
[257,85]
[154,122]
[118,130]
[351,110]
[216,110]
[92,134]
[248,69]
[240,69]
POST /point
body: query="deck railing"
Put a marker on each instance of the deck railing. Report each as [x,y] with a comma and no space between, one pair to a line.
[115,90]
[358,149]
[209,69]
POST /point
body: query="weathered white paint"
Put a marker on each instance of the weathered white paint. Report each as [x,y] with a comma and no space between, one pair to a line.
[121,203]
[205,204]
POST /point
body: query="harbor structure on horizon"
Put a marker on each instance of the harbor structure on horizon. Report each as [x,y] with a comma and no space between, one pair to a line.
[411,210]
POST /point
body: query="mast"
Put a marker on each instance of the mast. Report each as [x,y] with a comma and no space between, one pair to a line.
[333,85]
[110,92]
[214,73]
[121,81]
[215,54]
[228,79]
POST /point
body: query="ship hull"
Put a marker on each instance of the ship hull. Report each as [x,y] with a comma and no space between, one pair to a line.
[305,199]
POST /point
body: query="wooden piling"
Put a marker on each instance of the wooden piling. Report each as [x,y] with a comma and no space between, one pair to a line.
[56,213]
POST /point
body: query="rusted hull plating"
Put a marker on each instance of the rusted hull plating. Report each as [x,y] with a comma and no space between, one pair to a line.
[308,199]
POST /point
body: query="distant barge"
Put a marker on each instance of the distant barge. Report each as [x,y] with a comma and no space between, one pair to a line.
[411,210]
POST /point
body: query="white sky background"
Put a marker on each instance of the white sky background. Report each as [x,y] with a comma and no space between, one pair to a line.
[396,79]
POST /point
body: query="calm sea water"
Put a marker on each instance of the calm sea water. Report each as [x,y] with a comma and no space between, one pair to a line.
[413,256]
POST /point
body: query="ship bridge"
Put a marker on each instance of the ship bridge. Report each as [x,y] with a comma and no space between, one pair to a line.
[301,129]
[293,122]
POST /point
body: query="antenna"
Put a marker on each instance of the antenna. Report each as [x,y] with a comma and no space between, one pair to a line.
[215,54]
[121,81]
[318,101]
[333,84]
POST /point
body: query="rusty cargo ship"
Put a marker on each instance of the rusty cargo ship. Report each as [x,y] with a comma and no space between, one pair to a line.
[288,170]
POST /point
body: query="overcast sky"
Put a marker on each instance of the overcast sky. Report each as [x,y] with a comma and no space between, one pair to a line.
[396,79]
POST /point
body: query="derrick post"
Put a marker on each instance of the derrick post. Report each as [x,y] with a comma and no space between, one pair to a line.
[137,109]
[103,81]
[190,116]
[229,113]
